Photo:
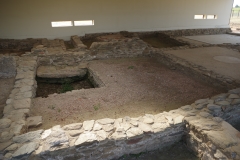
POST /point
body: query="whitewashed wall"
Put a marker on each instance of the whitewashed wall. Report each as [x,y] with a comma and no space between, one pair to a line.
[32,19]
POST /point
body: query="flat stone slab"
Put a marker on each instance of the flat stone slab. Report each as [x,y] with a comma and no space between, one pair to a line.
[5,123]
[86,138]
[26,149]
[28,137]
[22,104]
[205,57]
[34,121]
[216,39]
[60,72]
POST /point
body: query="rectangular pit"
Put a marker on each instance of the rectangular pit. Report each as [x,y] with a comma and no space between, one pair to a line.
[47,86]
[160,40]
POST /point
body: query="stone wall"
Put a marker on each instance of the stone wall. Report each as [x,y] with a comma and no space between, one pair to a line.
[13,44]
[7,66]
[99,50]
[192,32]
[16,111]
[173,33]
[94,78]
[28,44]
[101,139]
[209,136]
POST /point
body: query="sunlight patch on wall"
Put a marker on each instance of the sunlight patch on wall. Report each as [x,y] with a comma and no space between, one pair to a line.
[199,16]
[62,24]
[211,16]
[84,23]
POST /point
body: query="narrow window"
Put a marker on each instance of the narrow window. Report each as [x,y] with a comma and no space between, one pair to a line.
[200,16]
[84,23]
[62,24]
[211,16]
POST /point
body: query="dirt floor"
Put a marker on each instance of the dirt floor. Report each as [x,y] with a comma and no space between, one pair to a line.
[6,86]
[133,87]
[177,151]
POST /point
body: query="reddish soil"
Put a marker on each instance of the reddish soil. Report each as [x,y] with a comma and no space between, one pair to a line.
[133,87]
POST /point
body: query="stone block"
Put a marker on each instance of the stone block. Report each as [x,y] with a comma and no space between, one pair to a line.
[235,91]
[26,149]
[22,104]
[101,135]
[213,107]
[74,126]
[87,137]
[5,136]
[56,138]
[235,102]
[5,145]
[106,121]
[97,127]
[133,132]
[5,123]
[88,125]
[108,127]
[28,137]
[234,96]
[178,119]
[12,147]
[186,108]
[17,129]
[223,103]
[75,133]
[34,121]
[200,101]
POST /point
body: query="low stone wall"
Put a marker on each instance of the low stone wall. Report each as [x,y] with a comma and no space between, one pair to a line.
[17,107]
[173,33]
[191,32]
[13,44]
[28,44]
[208,136]
[94,78]
[122,48]
[102,139]
[7,66]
